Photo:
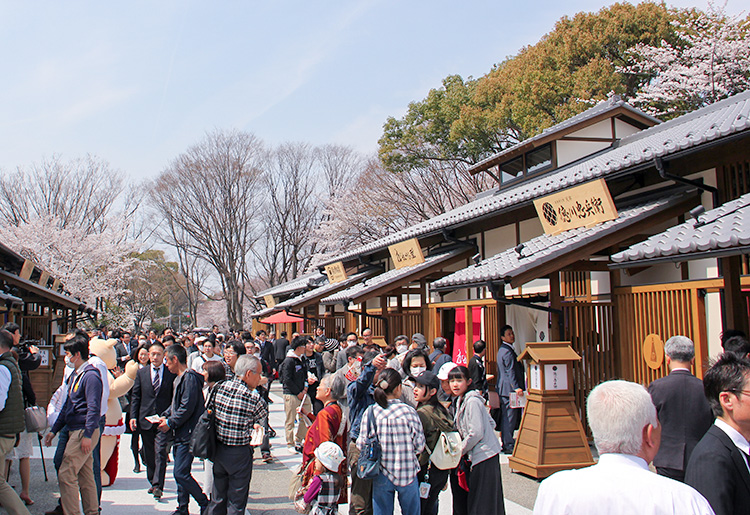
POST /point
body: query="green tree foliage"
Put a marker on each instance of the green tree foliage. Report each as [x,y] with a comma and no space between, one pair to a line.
[560,76]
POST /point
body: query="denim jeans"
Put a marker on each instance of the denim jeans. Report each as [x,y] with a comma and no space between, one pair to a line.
[383,491]
[62,441]
[186,484]
[98,460]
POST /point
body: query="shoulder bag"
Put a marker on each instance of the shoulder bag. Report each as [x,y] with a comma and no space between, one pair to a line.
[203,439]
[368,464]
[36,419]
[447,452]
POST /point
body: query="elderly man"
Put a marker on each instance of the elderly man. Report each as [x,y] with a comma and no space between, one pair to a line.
[683,410]
[239,410]
[719,466]
[627,435]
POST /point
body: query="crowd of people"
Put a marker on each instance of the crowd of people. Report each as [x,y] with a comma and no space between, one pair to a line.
[346,396]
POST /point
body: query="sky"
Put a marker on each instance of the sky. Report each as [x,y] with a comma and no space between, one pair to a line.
[136,83]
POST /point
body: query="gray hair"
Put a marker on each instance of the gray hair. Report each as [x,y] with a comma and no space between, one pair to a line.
[336,383]
[680,348]
[246,363]
[439,343]
[618,411]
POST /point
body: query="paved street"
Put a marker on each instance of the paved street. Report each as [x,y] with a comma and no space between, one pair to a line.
[268,489]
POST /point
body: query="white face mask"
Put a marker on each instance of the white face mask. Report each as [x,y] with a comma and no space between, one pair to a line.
[415,371]
[68,363]
[402,348]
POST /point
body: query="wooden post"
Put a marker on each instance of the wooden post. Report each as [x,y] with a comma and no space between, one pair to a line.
[469,332]
[386,323]
[734,309]
[615,281]
[363,317]
[555,302]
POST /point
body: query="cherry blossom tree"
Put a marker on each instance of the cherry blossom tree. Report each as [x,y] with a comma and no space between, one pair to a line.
[91,266]
[711,61]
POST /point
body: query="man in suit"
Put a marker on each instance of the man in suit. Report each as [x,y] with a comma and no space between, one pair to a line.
[719,467]
[683,410]
[279,350]
[152,395]
[510,378]
[478,369]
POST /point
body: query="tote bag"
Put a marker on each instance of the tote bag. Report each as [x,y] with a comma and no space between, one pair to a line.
[203,439]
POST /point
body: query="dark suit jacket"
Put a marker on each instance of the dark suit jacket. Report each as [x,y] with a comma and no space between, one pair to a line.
[478,375]
[267,353]
[143,402]
[718,471]
[684,415]
[279,351]
[510,375]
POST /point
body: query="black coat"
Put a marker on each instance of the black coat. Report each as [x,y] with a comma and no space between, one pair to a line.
[293,375]
[684,415]
[280,346]
[187,405]
[717,469]
[478,376]
[143,402]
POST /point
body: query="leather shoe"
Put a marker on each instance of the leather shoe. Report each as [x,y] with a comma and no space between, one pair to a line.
[151,490]
[137,468]
[158,493]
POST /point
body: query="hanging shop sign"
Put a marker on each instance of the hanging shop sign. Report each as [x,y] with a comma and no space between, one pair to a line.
[581,206]
[270,301]
[336,272]
[406,253]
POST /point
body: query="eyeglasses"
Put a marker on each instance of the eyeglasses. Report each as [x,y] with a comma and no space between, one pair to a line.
[746,392]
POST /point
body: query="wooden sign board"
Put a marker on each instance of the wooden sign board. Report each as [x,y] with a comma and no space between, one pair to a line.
[406,253]
[581,206]
[27,269]
[653,351]
[336,272]
[270,301]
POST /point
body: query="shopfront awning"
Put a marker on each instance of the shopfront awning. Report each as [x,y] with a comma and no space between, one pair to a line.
[397,277]
[721,232]
[44,294]
[546,254]
[313,296]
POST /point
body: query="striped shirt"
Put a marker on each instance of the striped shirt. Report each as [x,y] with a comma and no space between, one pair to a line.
[401,440]
[237,410]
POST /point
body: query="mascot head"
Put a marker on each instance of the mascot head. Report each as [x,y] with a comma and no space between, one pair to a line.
[105,350]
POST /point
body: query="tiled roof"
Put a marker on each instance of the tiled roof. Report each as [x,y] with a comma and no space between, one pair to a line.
[602,107]
[301,283]
[724,230]
[324,290]
[719,120]
[391,276]
[263,312]
[510,263]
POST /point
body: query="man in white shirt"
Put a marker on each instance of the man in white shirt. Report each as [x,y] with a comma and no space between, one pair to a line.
[627,435]
[719,467]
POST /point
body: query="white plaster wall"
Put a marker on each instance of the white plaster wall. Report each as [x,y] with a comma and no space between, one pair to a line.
[536,286]
[623,129]
[709,178]
[530,228]
[498,240]
[666,273]
[713,323]
[601,129]
[600,283]
[569,151]
[703,269]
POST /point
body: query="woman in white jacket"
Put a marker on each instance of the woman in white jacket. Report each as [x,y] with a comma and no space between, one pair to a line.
[480,446]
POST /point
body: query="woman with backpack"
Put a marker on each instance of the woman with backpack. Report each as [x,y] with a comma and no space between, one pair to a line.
[401,437]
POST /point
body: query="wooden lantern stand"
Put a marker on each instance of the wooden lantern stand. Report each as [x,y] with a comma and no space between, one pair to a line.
[551,437]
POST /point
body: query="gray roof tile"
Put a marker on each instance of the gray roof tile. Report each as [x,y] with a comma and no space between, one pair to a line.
[704,125]
[510,263]
[301,283]
[388,277]
[721,229]
[325,289]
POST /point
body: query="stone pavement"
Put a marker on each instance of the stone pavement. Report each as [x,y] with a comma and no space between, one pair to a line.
[268,489]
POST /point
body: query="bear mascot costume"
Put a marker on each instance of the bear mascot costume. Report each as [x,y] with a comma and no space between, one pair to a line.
[114,425]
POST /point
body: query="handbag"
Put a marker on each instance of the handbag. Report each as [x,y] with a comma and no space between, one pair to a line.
[296,484]
[447,452]
[368,464]
[203,439]
[36,419]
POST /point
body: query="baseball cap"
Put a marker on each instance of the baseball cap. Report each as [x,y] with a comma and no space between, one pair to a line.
[427,378]
[445,370]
